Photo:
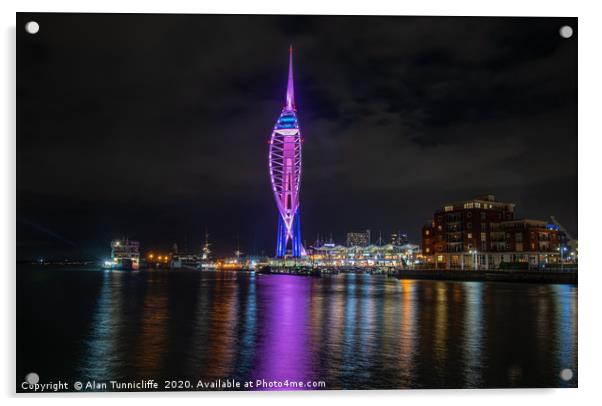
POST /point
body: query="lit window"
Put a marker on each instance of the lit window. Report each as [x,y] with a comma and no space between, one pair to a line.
[428,250]
[427,232]
[468,205]
[469,235]
[477,205]
[449,208]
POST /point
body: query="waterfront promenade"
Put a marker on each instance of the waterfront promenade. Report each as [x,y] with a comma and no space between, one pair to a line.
[568,275]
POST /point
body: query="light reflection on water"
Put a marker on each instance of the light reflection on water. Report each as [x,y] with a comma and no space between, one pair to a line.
[473,331]
[351,331]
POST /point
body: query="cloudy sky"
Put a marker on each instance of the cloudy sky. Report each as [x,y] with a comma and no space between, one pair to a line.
[155,127]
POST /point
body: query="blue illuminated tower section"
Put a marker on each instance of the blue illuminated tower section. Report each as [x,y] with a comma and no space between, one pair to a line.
[285,172]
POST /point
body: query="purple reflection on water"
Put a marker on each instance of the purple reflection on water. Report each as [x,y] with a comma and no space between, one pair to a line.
[283,340]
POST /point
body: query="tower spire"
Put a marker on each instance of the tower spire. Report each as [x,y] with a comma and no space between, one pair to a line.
[290,89]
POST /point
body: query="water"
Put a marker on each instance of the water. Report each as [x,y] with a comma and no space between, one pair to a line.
[349,331]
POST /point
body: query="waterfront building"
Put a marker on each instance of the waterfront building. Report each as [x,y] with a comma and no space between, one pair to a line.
[399,238]
[284,162]
[388,255]
[358,239]
[482,233]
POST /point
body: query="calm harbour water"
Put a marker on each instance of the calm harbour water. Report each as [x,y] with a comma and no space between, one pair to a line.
[350,331]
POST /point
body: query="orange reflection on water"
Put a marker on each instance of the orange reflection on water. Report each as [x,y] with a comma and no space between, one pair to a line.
[407,331]
[153,326]
[440,344]
[224,318]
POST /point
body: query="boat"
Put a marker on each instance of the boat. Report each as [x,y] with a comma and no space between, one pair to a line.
[125,255]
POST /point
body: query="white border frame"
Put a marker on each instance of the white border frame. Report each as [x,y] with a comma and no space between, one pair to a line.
[590,133]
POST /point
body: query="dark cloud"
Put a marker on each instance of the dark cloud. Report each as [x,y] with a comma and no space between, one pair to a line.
[155,126]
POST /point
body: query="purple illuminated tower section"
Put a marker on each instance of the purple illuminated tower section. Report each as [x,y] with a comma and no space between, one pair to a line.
[285,171]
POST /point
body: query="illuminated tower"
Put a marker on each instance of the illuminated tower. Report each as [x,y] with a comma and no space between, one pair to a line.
[285,171]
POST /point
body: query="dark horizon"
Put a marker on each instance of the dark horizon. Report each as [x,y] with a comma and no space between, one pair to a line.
[157,129]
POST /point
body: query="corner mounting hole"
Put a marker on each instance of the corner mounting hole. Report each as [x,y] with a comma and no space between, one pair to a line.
[32,378]
[566,374]
[566,31]
[32,27]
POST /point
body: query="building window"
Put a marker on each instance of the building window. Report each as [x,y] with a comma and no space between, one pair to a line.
[439,228]
[468,205]
[440,258]
[483,216]
[427,232]
[477,205]
[449,208]
[469,235]
[483,236]
[469,226]
[518,237]
[428,250]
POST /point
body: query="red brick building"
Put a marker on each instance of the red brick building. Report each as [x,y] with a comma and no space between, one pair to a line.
[482,233]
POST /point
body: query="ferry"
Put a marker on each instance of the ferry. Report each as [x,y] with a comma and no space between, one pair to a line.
[125,255]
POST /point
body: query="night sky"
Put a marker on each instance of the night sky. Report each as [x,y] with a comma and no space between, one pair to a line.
[155,127]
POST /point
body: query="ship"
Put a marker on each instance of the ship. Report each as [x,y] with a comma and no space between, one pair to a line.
[125,255]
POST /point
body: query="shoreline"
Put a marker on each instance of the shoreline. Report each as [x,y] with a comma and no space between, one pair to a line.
[515,276]
[518,276]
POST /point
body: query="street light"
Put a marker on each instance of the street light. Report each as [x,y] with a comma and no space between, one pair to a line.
[473,253]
